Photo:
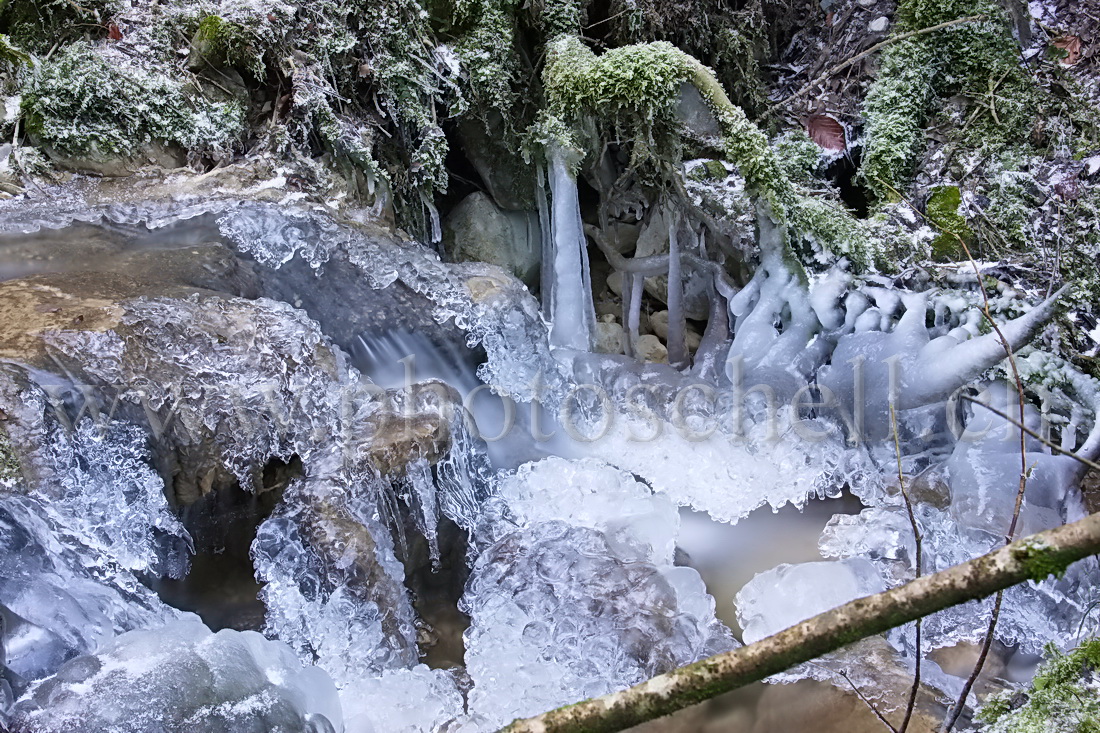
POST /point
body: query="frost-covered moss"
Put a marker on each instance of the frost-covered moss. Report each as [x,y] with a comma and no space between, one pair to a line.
[82,103]
[896,109]
[798,154]
[635,88]
[977,60]
[39,25]
[1064,697]
[219,41]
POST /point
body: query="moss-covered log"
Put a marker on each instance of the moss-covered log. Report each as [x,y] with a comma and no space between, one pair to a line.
[1032,558]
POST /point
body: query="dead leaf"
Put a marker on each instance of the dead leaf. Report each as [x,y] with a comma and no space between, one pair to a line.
[113,32]
[1071,45]
[826,131]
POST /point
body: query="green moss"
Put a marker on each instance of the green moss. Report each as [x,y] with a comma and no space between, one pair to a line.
[81,103]
[711,170]
[224,42]
[798,154]
[943,211]
[1040,561]
[896,108]
[1062,697]
[977,61]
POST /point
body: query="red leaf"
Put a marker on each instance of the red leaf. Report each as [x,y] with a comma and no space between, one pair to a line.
[1071,45]
[826,132]
[113,32]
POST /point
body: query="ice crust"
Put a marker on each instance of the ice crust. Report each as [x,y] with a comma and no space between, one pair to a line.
[181,678]
[574,594]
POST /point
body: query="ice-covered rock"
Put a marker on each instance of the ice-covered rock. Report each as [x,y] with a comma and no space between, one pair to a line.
[557,616]
[182,678]
[788,594]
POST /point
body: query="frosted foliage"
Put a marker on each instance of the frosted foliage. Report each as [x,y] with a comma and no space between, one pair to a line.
[637,524]
[782,597]
[183,678]
[69,598]
[333,588]
[557,616]
[412,700]
[114,501]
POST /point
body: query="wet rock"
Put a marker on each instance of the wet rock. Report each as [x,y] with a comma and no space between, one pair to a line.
[695,115]
[477,231]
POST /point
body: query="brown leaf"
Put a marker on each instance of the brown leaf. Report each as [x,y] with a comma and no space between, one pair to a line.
[113,32]
[826,132]
[1071,45]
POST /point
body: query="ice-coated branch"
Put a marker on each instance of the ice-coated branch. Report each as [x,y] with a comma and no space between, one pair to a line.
[1031,558]
[971,357]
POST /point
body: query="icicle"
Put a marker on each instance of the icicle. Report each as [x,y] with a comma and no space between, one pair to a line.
[677,350]
[632,316]
[573,315]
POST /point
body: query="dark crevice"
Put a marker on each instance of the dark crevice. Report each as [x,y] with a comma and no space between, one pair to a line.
[221,586]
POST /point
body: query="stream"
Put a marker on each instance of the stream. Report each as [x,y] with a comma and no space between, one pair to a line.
[267,471]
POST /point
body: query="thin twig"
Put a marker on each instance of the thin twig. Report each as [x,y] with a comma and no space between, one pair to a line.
[863,54]
[917,539]
[859,693]
[1049,444]
[956,709]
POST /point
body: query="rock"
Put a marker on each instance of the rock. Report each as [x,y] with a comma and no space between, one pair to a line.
[609,337]
[879,24]
[615,283]
[694,114]
[478,231]
[659,322]
[509,180]
[650,349]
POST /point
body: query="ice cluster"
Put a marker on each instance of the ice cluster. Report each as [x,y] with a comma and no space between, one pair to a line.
[575,594]
[183,677]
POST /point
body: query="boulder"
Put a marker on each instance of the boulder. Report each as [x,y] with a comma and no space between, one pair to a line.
[478,231]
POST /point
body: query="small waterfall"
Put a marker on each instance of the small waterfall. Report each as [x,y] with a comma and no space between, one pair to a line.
[570,295]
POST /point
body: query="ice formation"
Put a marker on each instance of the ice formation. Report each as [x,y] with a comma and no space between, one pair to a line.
[574,594]
[572,590]
[183,677]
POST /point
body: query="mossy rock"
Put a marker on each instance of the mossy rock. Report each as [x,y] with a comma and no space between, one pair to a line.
[943,211]
[86,105]
[219,42]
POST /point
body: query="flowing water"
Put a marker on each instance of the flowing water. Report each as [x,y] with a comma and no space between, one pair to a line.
[267,472]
